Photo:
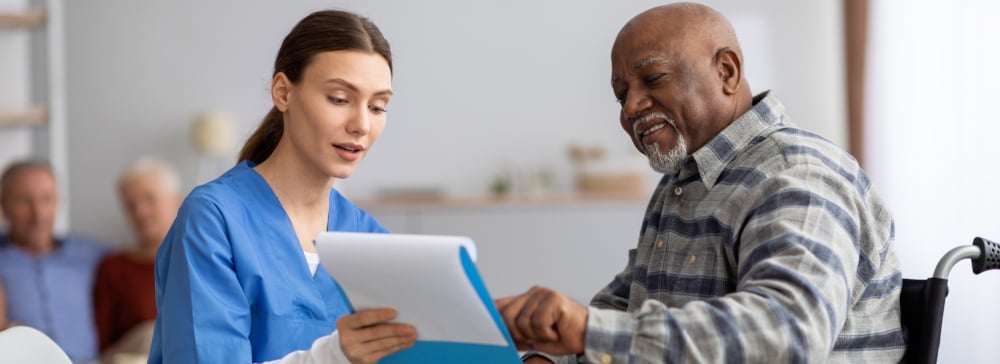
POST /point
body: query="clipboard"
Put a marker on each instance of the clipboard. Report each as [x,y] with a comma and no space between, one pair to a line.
[433,284]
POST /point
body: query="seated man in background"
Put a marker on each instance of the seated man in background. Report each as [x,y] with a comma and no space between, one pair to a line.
[48,280]
[124,294]
[763,243]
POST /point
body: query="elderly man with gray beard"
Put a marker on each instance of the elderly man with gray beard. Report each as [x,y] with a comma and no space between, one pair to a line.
[763,243]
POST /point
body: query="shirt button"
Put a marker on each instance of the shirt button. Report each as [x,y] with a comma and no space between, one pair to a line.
[659,244]
[606,358]
[678,190]
[692,260]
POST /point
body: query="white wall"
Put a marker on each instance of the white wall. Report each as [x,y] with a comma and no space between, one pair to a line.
[479,85]
[936,163]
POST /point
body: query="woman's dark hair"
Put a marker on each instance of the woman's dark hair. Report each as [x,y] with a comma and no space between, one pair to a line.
[322,31]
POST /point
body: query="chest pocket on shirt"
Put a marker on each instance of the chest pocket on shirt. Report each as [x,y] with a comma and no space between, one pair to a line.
[681,270]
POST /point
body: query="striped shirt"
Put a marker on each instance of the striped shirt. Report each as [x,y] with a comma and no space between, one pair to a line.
[770,245]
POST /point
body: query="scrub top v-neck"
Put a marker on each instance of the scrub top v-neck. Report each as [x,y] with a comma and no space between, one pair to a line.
[232,282]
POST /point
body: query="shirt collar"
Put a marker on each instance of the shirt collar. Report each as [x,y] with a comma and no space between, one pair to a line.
[57,246]
[711,159]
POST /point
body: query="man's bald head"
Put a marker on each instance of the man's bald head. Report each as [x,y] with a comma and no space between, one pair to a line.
[695,27]
[679,65]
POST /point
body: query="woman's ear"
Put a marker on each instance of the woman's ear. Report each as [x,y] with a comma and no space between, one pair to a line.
[730,68]
[281,89]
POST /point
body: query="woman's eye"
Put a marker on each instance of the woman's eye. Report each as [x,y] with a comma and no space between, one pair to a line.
[337,100]
[377,109]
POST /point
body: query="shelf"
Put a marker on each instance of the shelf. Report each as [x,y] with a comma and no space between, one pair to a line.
[25,19]
[29,116]
[464,202]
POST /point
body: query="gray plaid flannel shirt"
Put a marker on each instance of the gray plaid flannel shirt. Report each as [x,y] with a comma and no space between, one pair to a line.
[769,246]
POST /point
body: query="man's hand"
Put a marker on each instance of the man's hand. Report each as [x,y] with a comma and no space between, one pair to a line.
[545,320]
[368,336]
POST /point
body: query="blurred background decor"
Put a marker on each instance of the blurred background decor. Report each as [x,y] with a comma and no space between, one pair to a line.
[213,135]
[600,175]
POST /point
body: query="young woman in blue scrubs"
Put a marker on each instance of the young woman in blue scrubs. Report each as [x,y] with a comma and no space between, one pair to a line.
[237,278]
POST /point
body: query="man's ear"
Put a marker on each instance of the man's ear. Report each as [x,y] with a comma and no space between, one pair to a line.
[730,68]
[281,89]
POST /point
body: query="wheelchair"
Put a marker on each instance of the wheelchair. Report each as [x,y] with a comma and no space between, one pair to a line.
[922,300]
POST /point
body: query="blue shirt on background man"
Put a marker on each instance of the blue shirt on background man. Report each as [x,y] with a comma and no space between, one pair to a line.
[54,293]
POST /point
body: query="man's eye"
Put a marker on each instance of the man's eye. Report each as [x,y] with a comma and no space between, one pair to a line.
[654,77]
[620,98]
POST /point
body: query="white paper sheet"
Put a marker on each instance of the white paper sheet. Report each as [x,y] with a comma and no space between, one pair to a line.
[421,276]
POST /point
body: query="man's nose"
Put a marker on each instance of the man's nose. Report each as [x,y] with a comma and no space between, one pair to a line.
[636,102]
[37,211]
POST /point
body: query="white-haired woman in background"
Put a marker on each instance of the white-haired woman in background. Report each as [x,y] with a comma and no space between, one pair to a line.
[124,292]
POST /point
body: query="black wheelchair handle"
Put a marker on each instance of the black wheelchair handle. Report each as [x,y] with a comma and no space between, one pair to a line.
[989,259]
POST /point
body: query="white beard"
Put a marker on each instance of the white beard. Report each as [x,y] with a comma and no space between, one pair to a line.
[668,162]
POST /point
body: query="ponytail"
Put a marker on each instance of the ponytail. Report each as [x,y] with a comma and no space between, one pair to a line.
[262,142]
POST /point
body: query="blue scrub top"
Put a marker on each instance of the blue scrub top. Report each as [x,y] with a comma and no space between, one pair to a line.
[232,282]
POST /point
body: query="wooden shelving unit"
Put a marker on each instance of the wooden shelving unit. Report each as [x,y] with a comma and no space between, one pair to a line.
[25,19]
[35,124]
[476,202]
[28,116]
[25,115]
